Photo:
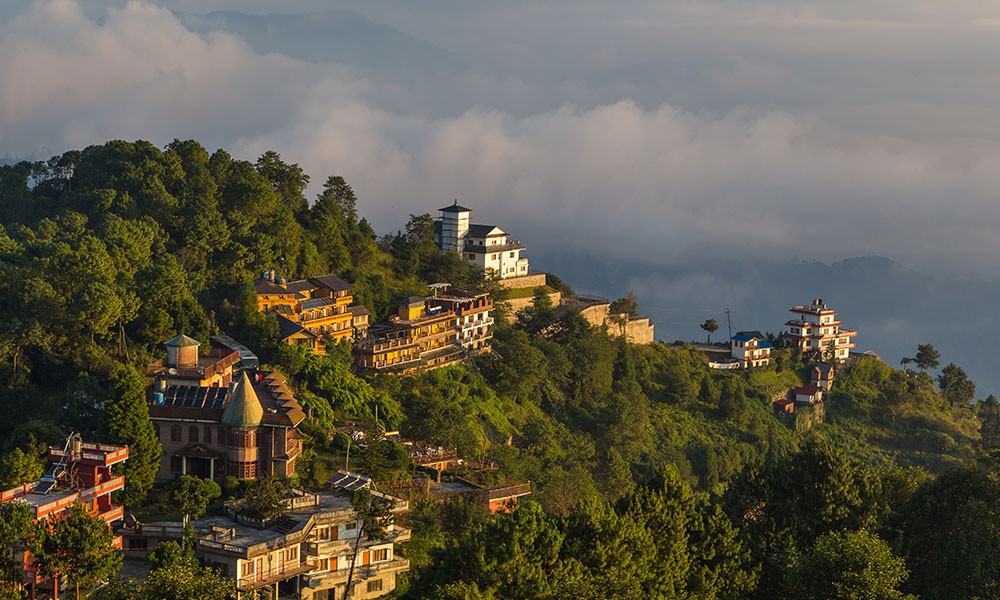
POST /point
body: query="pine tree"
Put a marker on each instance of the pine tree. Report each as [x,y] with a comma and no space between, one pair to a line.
[127,422]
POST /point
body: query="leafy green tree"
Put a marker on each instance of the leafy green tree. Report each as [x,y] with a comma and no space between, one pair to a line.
[955,385]
[191,496]
[126,421]
[78,547]
[627,305]
[175,574]
[711,326]
[289,181]
[265,499]
[927,357]
[16,524]
[943,531]
[732,400]
[18,467]
[849,566]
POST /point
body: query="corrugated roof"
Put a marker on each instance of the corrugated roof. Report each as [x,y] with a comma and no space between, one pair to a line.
[746,336]
[332,282]
[244,408]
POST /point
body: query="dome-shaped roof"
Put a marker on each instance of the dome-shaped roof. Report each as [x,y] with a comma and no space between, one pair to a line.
[244,408]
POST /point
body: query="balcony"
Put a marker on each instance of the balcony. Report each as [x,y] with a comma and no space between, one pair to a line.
[269,576]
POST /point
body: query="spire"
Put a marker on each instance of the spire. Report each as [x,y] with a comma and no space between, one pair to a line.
[244,408]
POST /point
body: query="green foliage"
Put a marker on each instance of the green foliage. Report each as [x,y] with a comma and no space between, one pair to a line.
[947,532]
[927,357]
[956,387]
[192,495]
[710,326]
[848,566]
[78,547]
[18,467]
[16,523]
[660,543]
[174,574]
[265,499]
[126,421]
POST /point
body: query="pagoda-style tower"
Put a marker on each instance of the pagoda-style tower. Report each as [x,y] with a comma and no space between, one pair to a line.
[242,418]
[454,227]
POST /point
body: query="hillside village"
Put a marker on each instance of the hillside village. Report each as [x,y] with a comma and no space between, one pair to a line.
[366,417]
[218,416]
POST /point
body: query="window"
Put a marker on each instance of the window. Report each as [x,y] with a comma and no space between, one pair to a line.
[175,464]
[380,554]
[351,526]
[323,564]
[472,256]
[175,433]
[291,554]
[247,568]
[221,435]
[156,430]
[208,434]
[375,585]
[193,434]
[322,533]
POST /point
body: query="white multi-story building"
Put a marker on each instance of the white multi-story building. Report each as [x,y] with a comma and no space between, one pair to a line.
[473,320]
[487,246]
[816,330]
[751,349]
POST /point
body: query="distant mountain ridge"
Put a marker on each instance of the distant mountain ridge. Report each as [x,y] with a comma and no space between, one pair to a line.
[330,36]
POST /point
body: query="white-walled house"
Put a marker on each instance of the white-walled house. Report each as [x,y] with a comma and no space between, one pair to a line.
[751,349]
[816,330]
[808,394]
[487,246]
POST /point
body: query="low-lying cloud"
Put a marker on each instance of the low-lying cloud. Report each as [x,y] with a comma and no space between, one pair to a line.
[623,177]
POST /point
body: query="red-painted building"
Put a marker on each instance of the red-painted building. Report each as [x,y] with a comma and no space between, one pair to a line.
[79,473]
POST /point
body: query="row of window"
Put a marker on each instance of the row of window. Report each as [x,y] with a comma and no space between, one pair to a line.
[237,438]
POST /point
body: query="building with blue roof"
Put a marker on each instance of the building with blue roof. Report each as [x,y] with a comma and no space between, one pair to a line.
[751,349]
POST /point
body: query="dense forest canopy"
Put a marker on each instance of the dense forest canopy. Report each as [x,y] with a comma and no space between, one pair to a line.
[653,475]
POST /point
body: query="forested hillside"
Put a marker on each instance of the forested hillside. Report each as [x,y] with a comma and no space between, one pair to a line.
[654,476]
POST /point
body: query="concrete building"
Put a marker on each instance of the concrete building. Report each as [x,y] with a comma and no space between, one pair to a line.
[79,473]
[486,246]
[473,322]
[821,375]
[307,553]
[751,349]
[427,333]
[816,331]
[213,421]
[310,309]
[417,338]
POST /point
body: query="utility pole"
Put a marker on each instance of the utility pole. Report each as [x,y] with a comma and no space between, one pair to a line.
[729,322]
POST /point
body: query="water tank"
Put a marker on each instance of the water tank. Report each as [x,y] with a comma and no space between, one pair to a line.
[158,397]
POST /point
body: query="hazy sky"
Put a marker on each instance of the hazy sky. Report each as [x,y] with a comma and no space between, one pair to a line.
[660,129]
